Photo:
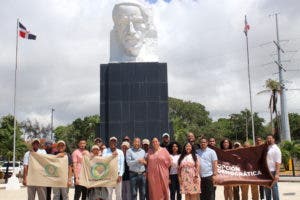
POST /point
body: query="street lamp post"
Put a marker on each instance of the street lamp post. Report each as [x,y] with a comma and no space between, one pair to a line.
[51,135]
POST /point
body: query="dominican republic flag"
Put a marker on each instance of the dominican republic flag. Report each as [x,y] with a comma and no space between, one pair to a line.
[24,33]
[247,26]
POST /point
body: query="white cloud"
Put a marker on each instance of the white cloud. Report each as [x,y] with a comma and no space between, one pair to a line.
[202,42]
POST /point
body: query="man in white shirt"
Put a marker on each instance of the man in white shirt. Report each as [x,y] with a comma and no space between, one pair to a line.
[112,150]
[273,161]
[31,190]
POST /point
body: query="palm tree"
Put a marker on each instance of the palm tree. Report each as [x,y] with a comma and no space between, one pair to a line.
[290,150]
[274,88]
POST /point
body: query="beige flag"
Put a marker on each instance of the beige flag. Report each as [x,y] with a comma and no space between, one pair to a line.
[47,170]
[99,172]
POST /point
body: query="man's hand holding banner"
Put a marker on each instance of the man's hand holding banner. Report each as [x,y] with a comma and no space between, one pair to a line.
[52,171]
[47,170]
[99,172]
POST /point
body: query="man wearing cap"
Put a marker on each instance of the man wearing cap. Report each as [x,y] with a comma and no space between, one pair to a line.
[145,145]
[110,151]
[77,157]
[63,192]
[48,148]
[126,193]
[96,192]
[135,158]
[165,140]
[31,190]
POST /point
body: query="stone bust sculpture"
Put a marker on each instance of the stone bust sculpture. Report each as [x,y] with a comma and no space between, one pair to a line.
[133,38]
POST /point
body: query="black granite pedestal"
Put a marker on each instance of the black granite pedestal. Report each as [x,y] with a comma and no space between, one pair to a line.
[133,100]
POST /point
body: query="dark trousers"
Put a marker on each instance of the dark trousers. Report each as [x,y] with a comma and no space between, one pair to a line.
[174,187]
[207,188]
[48,193]
[147,193]
[80,191]
[261,192]
[236,193]
[137,182]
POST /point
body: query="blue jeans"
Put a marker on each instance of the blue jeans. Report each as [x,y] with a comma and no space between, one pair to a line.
[137,182]
[272,192]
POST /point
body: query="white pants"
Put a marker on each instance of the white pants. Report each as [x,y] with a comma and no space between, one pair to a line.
[57,191]
[118,191]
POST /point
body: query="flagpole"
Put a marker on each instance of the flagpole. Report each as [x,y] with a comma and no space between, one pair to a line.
[249,80]
[15,95]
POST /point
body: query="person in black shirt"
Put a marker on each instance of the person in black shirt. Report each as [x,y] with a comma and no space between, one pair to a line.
[126,194]
[165,140]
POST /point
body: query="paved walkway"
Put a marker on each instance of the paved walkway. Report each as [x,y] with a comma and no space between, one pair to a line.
[288,191]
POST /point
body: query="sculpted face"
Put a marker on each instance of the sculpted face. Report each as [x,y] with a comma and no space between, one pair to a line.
[131,28]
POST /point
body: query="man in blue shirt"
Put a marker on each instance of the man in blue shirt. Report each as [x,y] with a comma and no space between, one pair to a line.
[135,158]
[208,169]
[112,150]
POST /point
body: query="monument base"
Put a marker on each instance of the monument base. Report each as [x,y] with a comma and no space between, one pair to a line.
[133,100]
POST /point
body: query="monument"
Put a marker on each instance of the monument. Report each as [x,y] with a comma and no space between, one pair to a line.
[133,85]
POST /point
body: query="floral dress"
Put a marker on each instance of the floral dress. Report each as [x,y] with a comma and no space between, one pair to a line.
[189,173]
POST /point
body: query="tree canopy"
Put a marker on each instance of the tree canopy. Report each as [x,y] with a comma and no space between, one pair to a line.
[7,139]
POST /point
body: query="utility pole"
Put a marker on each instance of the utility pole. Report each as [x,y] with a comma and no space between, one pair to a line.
[285,126]
[246,127]
[52,110]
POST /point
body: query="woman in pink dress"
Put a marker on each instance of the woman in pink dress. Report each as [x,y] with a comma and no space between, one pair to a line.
[158,163]
[188,172]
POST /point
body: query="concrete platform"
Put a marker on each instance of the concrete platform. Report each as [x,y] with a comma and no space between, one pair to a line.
[287,190]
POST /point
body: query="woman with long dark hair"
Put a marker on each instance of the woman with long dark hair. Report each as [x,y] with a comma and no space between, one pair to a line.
[226,144]
[174,150]
[188,172]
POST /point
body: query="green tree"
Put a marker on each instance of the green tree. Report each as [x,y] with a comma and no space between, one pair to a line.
[79,129]
[187,116]
[294,119]
[290,150]
[241,125]
[218,129]
[7,139]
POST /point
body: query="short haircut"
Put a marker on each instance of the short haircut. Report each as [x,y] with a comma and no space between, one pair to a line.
[80,139]
[270,134]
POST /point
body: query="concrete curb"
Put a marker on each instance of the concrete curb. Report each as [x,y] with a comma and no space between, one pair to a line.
[289,179]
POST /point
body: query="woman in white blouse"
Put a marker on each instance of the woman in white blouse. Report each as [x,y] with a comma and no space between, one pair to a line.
[174,150]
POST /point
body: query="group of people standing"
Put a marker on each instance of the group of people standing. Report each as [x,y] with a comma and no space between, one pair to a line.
[156,170]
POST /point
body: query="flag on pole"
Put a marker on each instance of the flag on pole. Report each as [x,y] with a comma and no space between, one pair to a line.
[247,26]
[23,33]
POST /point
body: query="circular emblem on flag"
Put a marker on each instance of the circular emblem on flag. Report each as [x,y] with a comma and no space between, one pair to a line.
[99,170]
[51,170]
